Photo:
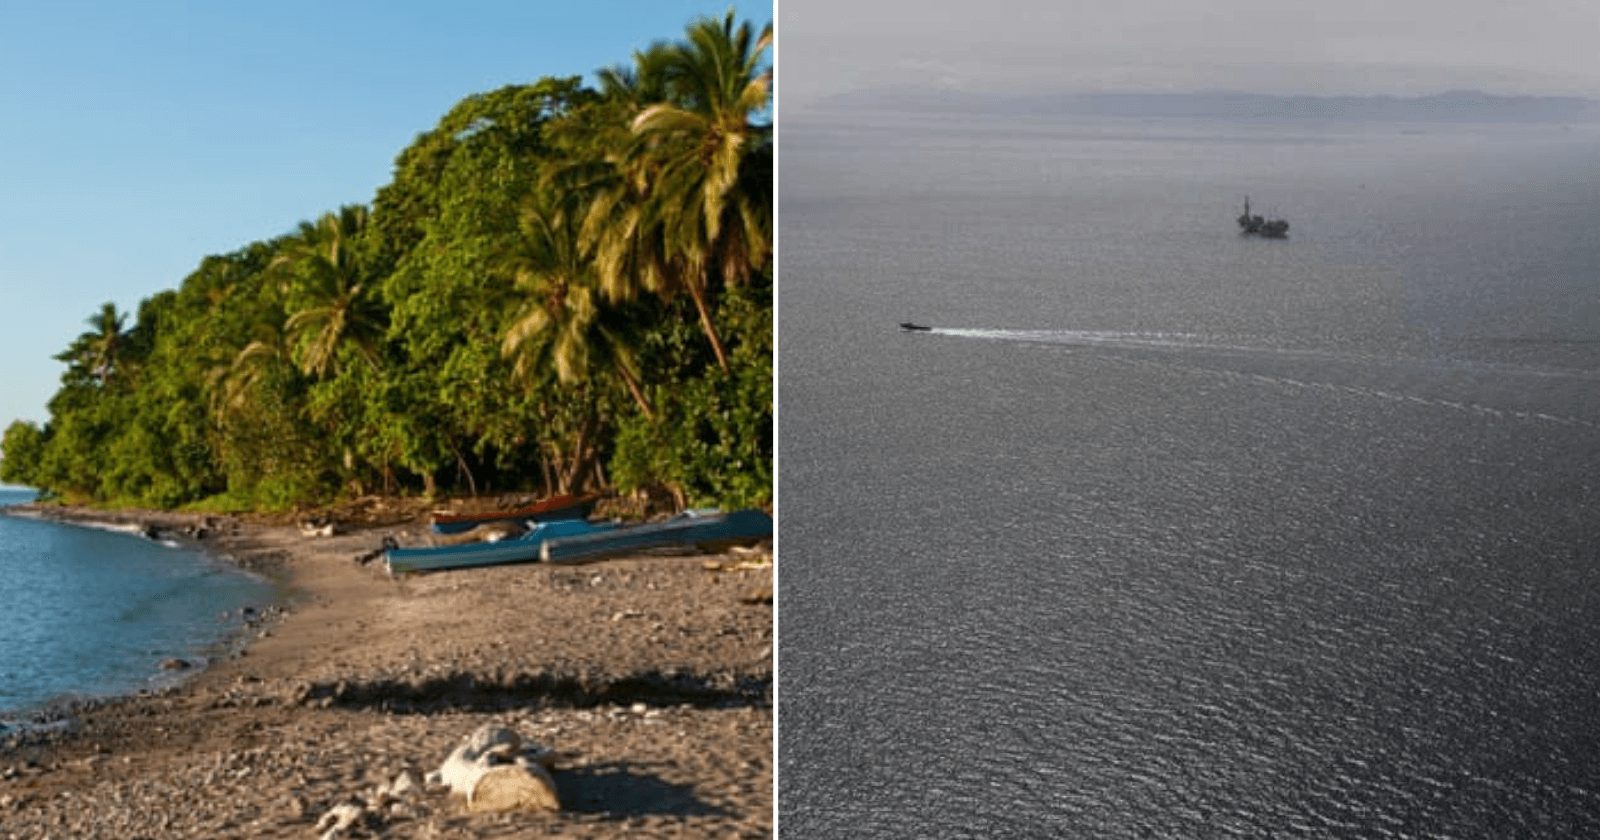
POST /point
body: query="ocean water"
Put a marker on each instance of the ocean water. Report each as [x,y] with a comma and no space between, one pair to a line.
[1169,532]
[89,612]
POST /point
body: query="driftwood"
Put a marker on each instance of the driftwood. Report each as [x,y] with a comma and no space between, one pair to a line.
[494,771]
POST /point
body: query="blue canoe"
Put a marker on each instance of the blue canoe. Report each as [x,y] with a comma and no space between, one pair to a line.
[711,530]
[521,549]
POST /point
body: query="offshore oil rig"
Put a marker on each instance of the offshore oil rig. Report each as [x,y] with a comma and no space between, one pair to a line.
[1260,226]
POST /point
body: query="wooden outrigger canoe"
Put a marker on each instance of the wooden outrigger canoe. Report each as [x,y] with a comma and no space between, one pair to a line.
[711,530]
[520,549]
[555,507]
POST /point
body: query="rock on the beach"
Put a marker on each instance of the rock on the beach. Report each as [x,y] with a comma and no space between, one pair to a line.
[490,739]
[405,783]
[339,820]
[174,664]
[318,527]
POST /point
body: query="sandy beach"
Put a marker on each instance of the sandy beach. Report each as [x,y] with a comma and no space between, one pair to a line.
[651,678]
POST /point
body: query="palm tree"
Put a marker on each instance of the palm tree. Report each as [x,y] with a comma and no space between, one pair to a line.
[596,172]
[687,189]
[106,345]
[708,164]
[640,85]
[336,307]
[98,351]
[561,325]
[233,381]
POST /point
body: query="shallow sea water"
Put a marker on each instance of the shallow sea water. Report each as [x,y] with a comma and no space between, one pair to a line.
[87,612]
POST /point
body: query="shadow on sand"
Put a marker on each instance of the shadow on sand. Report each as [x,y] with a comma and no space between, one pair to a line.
[476,693]
[619,790]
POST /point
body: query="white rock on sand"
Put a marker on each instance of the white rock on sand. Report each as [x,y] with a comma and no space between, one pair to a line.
[338,820]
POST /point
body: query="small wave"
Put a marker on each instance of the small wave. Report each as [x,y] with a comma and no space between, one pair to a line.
[1396,396]
[133,529]
[102,525]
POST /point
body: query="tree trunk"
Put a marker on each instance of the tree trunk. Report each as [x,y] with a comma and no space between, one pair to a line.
[351,476]
[461,464]
[638,394]
[699,295]
[558,469]
[578,459]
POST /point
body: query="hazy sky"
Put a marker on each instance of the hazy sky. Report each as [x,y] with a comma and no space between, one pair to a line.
[136,138]
[1267,46]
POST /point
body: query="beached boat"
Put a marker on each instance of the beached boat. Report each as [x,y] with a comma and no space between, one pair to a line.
[520,549]
[910,327]
[555,507]
[1261,226]
[708,530]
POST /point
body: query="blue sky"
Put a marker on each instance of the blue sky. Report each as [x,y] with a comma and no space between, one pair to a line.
[136,138]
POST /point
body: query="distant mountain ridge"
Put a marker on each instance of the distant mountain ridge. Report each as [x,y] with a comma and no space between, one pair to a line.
[1452,106]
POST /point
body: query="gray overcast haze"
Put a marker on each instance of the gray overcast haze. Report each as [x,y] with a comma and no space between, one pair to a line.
[1331,47]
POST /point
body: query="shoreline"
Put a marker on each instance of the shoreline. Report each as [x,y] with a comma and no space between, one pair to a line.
[200,532]
[653,675]
[179,532]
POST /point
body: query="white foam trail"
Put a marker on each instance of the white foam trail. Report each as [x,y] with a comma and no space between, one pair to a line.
[1191,341]
[1231,344]
[1195,341]
[1147,341]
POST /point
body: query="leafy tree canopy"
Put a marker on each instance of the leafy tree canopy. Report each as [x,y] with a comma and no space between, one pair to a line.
[561,288]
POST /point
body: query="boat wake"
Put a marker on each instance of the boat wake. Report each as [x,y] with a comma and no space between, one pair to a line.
[1389,395]
[1188,342]
[1239,345]
[1165,340]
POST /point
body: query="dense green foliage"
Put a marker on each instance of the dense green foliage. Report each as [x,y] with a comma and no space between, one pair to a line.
[561,289]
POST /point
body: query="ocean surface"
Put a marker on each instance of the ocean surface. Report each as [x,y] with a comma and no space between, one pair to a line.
[1169,532]
[88,612]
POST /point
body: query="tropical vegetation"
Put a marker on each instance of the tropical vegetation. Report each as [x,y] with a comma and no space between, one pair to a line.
[563,288]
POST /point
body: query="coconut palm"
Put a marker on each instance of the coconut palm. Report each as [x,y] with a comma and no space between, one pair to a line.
[561,325]
[107,339]
[233,381]
[640,85]
[99,351]
[334,308]
[595,173]
[684,195]
[707,163]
